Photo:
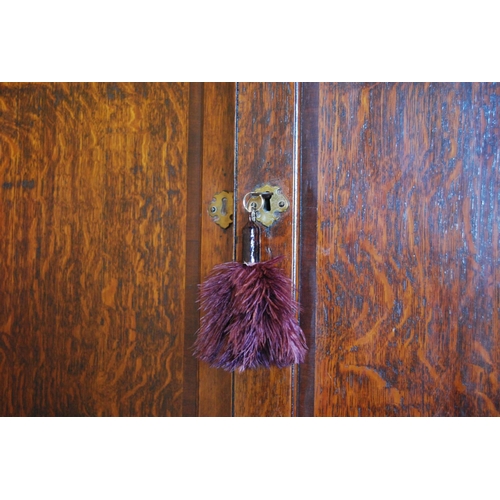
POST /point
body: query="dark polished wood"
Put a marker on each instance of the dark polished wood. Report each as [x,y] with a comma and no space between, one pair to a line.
[309,146]
[215,386]
[92,249]
[392,237]
[407,250]
[194,216]
[266,142]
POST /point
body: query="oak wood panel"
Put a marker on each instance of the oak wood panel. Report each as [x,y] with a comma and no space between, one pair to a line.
[215,386]
[266,145]
[190,403]
[92,251]
[407,286]
[309,148]
[22,133]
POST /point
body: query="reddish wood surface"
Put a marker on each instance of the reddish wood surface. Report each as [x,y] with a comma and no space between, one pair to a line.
[190,402]
[105,236]
[92,248]
[215,386]
[407,250]
[266,138]
[309,134]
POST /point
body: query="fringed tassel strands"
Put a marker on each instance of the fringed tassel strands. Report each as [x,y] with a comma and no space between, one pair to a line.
[250,317]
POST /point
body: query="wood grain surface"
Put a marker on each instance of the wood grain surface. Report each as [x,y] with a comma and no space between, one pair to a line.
[394,194]
[407,250]
[92,248]
[266,153]
[309,151]
[215,386]
[190,390]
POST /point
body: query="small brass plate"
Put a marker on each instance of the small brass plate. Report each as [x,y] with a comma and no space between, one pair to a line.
[221,209]
[272,208]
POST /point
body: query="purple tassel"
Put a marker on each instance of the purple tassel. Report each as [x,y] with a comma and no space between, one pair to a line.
[250,318]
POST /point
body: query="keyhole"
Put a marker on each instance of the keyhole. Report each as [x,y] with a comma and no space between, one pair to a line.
[267,201]
[223,208]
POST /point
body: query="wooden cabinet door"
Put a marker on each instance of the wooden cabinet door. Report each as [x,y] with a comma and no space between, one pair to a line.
[96,288]
[402,295]
[263,140]
[391,239]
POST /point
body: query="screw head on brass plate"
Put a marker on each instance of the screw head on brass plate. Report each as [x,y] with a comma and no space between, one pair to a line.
[221,209]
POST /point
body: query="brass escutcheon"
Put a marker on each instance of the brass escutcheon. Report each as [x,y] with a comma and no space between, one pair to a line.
[221,209]
[274,203]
